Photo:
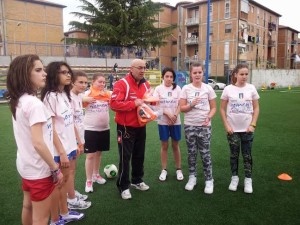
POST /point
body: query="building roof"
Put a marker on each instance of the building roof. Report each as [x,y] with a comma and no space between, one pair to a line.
[43,2]
[250,1]
[288,28]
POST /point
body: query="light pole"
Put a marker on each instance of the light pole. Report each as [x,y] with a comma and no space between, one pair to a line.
[18,24]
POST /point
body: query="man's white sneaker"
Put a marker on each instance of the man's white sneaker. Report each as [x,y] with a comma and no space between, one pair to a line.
[126,194]
[191,183]
[163,175]
[141,186]
[248,185]
[209,187]
[98,179]
[179,175]
[89,186]
[234,183]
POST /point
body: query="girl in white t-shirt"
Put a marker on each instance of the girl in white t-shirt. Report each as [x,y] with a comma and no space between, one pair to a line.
[97,130]
[79,84]
[57,98]
[197,101]
[239,111]
[32,126]
[169,124]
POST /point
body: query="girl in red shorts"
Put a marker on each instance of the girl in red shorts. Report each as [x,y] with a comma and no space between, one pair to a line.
[33,131]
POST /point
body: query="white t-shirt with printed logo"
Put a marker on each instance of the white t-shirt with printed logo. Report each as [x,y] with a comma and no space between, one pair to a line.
[198,115]
[168,101]
[60,108]
[96,116]
[239,107]
[30,111]
[77,108]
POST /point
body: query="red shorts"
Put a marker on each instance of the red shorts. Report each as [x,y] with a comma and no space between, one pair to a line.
[39,189]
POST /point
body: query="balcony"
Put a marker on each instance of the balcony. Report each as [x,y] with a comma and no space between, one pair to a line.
[294,42]
[271,43]
[191,40]
[192,21]
[272,26]
[271,60]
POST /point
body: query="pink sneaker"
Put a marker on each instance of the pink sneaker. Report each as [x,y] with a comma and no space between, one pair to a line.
[89,186]
[98,179]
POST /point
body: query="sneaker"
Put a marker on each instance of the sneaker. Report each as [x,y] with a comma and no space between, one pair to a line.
[98,179]
[59,222]
[72,216]
[79,204]
[89,186]
[126,194]
[141,186]
[209,187]
[248,185]
[179,175]
[163,175]
[234,183]
[191,183]
[81,196]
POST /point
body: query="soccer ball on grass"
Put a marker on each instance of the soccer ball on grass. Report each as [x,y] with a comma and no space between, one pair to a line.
[110,171]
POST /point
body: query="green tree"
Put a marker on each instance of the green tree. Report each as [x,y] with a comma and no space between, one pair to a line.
[122,23]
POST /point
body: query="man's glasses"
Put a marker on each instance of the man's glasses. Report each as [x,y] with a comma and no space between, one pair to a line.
[140,67]
[65,72]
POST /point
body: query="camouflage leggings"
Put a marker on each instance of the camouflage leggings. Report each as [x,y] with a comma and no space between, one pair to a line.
[243,141]
[198,139]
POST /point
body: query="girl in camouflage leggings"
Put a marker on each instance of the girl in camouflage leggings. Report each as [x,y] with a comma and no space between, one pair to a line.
[197,102]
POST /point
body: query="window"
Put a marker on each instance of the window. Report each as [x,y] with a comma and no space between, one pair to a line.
[211,30]
[209,53]
[211,11]
[226,50]
[227,9]
[228,28]
[257,17]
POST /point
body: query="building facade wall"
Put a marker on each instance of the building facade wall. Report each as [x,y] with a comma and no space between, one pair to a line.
[31,27]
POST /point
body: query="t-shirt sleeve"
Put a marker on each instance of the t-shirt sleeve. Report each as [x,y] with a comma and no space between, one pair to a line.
[211,94]
[36,113]
[224,95]
[255,95]
[50,103]
[183,94]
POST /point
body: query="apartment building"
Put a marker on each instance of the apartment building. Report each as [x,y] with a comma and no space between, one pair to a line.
[240,31]
[34,26]
[287,47]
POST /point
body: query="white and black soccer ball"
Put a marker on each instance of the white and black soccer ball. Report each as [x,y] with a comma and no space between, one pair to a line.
[110,171]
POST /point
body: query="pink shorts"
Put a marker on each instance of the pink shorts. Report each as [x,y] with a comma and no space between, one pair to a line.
[39,189]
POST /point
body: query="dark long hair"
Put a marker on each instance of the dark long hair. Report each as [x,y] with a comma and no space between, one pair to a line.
[18,79]
[236,70]
[53,81]
[168,69]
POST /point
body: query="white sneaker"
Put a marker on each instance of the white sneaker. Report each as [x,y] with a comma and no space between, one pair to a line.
[126,194]
[81,196]
[248,185]
[191,183]
[179,175]
[78,204]
[98,179]
[234,183]
[163,175]
[141,186]
[72,216]
[89,186]
[209,186]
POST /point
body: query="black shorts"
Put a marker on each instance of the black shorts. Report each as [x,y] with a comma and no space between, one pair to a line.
[96,141]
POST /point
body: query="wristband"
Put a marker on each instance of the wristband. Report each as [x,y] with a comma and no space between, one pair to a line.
[55,174]
[253,125]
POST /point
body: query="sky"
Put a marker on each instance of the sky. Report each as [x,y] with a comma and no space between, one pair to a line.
[289,9]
